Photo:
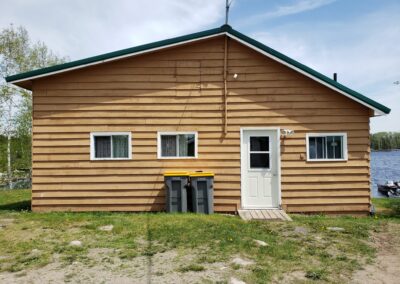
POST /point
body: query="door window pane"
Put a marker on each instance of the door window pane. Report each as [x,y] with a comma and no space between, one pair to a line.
[102,146]
[259,143]
[259,160]
[168,145]
[120,146]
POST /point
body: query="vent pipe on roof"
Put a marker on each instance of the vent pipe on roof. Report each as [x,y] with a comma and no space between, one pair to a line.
[335,77]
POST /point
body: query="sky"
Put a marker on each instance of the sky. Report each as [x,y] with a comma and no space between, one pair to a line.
[358,39]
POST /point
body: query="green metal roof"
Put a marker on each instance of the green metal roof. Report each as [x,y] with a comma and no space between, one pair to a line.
[223,29]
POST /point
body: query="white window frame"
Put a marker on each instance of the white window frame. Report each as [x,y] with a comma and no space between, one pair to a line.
[343,134]
[159,134]
[259,152]
[92,147]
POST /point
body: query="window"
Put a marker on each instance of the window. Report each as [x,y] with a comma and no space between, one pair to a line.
[326,146]
[259,152]
[110,146]
[177,145]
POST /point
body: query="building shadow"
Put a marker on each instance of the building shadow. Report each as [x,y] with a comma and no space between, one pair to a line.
[16,206]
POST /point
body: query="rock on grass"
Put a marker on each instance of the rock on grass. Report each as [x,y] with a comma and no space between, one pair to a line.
[75,243]
[234,280]
[335,229]
[106,228]
[242,262]
[261,243]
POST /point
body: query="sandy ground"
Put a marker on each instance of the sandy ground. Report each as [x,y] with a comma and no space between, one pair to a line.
[103,267]
[386,268]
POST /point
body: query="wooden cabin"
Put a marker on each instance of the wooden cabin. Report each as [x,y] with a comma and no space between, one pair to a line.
[276,133]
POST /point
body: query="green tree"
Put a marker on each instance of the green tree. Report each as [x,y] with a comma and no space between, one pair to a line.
[385,140]
[19,54]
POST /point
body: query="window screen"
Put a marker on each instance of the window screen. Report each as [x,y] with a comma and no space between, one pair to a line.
[111,146]
[178,145]
[327,147]
[120,146]
[102,146]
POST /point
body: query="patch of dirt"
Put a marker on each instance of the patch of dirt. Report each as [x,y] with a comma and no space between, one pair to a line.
[104,266]
[301,230]
[292,277]
[385,269]
[7,220]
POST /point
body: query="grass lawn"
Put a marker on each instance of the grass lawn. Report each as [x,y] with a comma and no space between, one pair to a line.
[199,247]
[388,207]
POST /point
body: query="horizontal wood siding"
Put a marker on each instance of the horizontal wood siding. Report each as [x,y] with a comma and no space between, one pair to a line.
[181,89]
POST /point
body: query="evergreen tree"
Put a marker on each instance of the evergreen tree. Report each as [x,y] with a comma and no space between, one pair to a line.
[385,140]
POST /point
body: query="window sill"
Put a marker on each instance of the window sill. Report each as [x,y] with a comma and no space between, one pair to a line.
[326,160]
[176,158]
[110,159]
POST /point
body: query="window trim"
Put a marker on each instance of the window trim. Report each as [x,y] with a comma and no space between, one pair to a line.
[325,134]
[160,133]
[92,148]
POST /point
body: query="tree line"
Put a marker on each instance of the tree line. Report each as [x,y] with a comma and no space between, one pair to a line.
[18,54]
[385,141]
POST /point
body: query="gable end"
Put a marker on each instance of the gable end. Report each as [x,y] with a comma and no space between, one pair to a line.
[24,79]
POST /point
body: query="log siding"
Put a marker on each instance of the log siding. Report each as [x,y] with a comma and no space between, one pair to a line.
[182,89]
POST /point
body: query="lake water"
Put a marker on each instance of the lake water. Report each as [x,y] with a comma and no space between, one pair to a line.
[385,165]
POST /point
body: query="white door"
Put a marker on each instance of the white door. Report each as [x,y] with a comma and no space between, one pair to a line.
[260,182]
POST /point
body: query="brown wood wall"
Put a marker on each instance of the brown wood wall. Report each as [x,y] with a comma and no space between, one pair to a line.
[181,89]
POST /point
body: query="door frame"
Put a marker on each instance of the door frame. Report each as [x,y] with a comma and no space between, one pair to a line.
[278,153]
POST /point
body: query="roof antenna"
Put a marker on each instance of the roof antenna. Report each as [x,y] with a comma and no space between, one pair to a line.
[227,5]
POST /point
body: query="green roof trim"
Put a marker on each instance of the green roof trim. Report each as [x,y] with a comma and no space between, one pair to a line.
[225,28]
[113,54]
[310,71]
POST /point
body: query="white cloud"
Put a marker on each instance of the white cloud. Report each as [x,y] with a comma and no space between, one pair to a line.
[80,29]
[364,53]
[297,7]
